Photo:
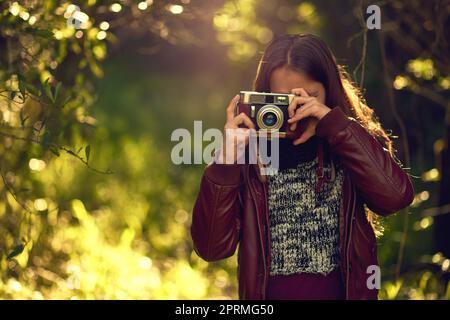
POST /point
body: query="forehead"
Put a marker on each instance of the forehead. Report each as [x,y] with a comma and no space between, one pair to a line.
[284,79]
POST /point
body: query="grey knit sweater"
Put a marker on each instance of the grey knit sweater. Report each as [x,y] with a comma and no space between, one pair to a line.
[304,224]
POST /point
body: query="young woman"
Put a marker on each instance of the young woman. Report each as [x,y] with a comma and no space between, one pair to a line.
[305,232]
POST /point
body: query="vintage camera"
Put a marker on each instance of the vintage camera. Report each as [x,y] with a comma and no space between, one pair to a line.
[269,112]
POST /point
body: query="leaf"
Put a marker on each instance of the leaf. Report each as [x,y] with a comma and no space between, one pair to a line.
[32,89]
[58,87]
[16,251]
[22,86]
[55,151]
[66,101]
[88,152]
[48,90]
[95,68]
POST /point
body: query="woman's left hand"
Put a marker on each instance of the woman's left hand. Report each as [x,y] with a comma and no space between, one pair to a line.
[308,107]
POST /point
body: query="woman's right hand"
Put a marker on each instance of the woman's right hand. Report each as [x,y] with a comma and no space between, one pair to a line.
[236,137]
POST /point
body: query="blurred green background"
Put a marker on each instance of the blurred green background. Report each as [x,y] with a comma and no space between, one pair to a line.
[91,206]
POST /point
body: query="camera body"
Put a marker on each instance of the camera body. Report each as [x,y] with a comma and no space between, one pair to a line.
[269,112]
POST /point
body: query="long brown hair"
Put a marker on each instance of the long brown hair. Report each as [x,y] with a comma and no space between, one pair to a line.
[309,54]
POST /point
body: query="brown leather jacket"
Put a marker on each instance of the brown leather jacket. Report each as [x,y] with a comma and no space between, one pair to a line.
[231,209]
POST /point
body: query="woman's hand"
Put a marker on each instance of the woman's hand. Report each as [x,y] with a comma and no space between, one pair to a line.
[235,138]
[302,107]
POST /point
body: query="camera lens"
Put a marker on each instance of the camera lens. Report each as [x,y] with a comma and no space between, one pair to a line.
[269,119]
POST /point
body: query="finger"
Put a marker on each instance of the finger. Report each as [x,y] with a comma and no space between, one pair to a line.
[298,114]
[300,91]
[293,126]
[304,137]
[303,112]
[232,107]
[294,103]
[242,118]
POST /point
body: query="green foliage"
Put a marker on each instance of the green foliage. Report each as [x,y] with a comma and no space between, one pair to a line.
[15,251]
[43,108]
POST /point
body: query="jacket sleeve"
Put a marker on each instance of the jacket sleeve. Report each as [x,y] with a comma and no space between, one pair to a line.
[383,184]
[216,215]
